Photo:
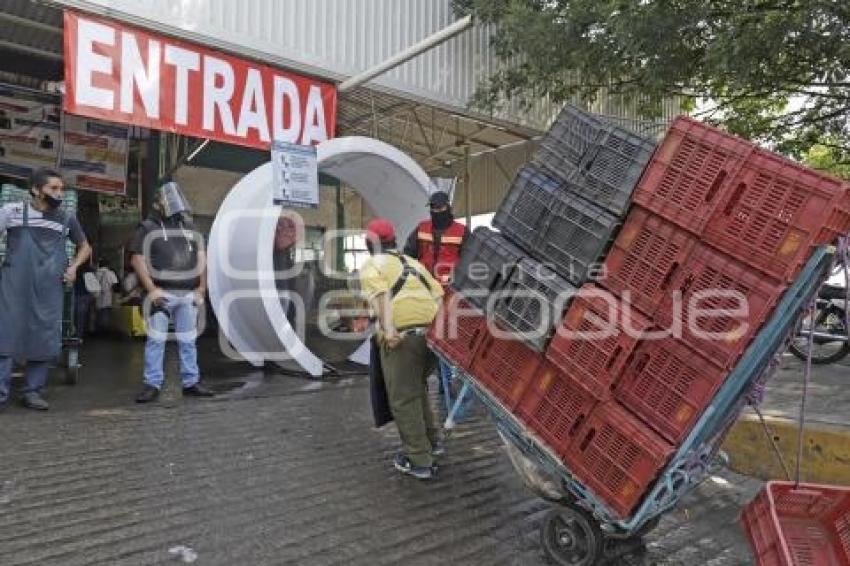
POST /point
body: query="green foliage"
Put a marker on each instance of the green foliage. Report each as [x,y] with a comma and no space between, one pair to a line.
[777,71]
[823,157]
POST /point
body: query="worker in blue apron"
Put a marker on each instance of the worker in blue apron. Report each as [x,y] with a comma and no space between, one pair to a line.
[31,280]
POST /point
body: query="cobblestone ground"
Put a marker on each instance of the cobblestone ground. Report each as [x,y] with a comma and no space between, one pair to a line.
[282,471]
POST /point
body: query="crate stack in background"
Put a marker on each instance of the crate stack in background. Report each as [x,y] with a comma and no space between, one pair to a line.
[10,194]
[683,232]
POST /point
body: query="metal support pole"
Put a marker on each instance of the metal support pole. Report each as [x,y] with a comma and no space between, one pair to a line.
[467,189]
[408,54]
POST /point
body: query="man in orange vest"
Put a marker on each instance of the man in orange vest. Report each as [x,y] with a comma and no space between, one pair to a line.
[437,243]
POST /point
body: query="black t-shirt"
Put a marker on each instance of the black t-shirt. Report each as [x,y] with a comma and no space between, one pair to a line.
[170,248]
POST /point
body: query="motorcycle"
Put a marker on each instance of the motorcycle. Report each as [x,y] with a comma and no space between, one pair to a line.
[828,321]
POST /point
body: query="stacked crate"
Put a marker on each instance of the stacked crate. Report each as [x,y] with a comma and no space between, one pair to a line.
[715,219]
[686,233]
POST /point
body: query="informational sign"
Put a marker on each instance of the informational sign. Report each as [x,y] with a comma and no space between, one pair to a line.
[296,175]
[94,155]
[29,131]
[122,74]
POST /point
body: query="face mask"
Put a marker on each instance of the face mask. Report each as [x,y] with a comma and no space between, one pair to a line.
[442,220]
[52,201]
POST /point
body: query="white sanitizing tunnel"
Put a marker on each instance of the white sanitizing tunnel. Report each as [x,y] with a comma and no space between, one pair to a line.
[242,285]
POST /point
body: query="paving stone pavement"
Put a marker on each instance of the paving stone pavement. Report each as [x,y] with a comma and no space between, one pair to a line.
[286,471]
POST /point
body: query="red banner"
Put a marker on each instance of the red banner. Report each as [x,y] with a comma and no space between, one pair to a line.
[123,74]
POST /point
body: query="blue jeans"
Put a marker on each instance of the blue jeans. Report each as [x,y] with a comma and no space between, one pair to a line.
[449,394]
[36,377]
[180,307]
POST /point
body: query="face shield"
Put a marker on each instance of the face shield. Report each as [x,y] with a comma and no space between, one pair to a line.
[171,200]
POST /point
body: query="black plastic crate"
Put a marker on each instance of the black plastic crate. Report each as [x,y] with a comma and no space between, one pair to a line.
[570,137]
[528,202]
[486,264]
[575,236]
[533,292]
[611,169]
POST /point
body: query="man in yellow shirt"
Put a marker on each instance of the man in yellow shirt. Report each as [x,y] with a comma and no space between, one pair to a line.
[405,298]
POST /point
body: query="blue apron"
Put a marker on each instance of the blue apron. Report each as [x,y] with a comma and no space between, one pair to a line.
[31,292]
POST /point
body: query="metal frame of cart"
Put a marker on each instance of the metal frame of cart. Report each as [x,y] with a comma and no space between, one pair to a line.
[589,523]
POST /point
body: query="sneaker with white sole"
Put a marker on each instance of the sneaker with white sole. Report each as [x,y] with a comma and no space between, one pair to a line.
[438,449]
[403,465]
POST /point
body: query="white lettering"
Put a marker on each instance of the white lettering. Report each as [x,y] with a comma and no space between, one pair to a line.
[314,126]
[218,96]
[183,61]
[134,71]
[253,111]
[89,62]
[286,98]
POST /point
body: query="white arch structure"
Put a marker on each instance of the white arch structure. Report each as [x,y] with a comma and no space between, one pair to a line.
[240,244]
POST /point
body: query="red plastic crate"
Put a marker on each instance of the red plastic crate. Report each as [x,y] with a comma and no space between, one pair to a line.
[700,284]
[644,257]
[668,385]
[775,212]
[617,457]
[554,407]
[457,331]
[595,339]
[505,367]
[691,172]
[806,525]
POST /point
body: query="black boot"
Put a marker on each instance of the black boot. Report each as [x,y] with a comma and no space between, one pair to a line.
[197,390]
[33,400]
[148,394]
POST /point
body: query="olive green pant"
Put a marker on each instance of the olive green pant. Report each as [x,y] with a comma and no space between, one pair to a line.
[406,369]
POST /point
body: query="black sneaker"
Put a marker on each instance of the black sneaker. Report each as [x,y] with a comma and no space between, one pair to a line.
[34,401]
[197,390]
[403,465]
[148,394]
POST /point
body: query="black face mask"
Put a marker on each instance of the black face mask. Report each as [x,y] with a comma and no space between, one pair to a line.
[442,220]
[52,202]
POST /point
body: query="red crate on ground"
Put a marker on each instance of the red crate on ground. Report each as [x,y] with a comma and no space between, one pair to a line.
[457,330]
[505,367]
[775,211]
[806,525]
[554,406]
[617,457]
[644,257]
[668,385]
[691,172]
[596,337]
[711,281]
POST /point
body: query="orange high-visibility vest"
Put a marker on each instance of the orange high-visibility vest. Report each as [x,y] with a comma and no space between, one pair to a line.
[450,240]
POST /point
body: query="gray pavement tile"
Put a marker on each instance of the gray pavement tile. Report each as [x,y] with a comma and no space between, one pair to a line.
[287,473]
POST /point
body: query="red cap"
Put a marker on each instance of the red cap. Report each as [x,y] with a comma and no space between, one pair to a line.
[380,229]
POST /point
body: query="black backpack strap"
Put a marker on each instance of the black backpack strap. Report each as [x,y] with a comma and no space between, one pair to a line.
[406,271]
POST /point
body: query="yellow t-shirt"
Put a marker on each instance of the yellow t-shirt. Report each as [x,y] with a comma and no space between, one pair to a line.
[414,304]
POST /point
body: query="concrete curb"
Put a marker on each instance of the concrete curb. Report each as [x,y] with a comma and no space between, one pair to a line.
[826,449]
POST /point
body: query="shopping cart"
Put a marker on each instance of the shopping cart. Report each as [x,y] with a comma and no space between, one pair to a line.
[581,529]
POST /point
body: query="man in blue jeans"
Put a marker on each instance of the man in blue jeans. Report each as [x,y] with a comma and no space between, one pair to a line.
[168,257]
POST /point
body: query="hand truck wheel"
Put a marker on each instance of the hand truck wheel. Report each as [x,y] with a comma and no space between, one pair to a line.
[571,537]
